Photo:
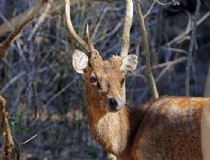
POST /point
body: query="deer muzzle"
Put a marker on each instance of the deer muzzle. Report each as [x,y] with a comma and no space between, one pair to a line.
[114,104]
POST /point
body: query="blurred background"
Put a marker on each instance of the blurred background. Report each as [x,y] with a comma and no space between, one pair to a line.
[36,74]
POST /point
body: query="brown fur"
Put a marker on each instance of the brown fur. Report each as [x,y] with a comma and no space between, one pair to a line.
[167,128]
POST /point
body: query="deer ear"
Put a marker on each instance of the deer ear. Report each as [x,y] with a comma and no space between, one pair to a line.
[129,63]
[79,61]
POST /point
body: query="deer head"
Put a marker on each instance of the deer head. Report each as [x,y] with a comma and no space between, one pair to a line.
[103,78]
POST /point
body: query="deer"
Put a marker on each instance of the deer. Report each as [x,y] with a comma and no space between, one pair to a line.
[169,127]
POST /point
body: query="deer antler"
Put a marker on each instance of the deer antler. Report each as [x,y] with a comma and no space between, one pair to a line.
[71,28]
[94,53]
[125,40]
[6,42]
[88,47]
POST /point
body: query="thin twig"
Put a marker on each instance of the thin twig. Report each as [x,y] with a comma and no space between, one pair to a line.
[34,136]
[61,91]
[11,81]
[177,50]
[15,78]
[34,101]
[178,60]
[162,73]
[150,9]
[116,28]
[103,14]
[147,50]
[191,47]
[8,24]
[173,2]
[40,20]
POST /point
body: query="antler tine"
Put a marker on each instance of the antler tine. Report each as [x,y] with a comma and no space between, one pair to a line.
[90,44]
[71,28]
[6,42]
[94,53]
[125,40]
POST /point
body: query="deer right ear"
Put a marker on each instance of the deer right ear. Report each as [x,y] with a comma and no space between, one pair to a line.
[79,61]
[129,63]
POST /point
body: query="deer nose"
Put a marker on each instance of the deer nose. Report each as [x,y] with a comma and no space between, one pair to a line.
[115,104]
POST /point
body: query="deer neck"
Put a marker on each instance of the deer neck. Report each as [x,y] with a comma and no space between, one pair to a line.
[113,131]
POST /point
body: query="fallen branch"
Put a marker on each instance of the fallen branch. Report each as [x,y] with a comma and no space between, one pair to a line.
[7,150]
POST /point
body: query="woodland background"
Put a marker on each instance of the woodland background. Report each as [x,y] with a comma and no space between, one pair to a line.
[37,74]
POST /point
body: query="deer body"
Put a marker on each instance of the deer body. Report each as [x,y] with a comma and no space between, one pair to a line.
[168,128]
[172,129]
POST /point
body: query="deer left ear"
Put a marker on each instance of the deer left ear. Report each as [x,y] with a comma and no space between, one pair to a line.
[129,63]
[79,61]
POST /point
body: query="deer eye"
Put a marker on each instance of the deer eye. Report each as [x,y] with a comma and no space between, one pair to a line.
[93,79]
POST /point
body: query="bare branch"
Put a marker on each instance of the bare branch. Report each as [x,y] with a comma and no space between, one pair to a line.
[150,9]
[191,47]
[9,25]
[173,2]
[34,136]
[7,152]
[41,19]
[103,14]
[169,63]
[34,101]
[182,35]
[6,42]
[61,91]
[147,50]
[71,28]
